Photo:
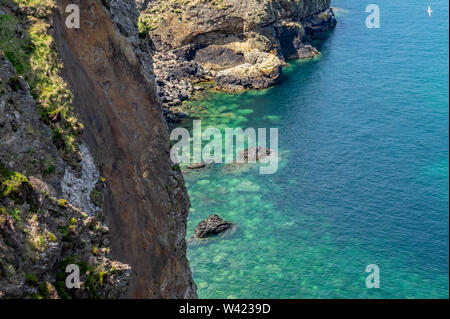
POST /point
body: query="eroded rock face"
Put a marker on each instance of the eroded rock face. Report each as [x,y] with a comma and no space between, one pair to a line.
[146,204]
[240,44]
[175,79]
[175,25]
[24,140]
[40,232]
[213,225]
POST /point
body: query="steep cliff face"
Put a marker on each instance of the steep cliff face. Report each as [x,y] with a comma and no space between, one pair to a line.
[239,44]
[146,204]
[108,71]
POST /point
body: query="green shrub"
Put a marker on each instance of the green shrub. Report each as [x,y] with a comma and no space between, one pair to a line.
[52,237]
[44,290]
[31,279]
[15,214]
[62,203]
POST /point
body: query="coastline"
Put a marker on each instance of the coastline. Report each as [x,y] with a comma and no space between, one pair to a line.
[241,53]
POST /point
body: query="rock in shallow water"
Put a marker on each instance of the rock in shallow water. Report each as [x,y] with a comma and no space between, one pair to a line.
[212,226]
[196,166]
[253,154]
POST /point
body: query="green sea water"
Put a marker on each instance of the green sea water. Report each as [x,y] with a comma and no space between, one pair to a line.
[363,176]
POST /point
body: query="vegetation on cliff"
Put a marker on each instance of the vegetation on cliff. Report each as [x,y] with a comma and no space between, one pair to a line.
[11,183]
[39,239]
[26,42]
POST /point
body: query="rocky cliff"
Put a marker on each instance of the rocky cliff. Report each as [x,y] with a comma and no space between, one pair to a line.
[40,231]
[84,150]
[238,44]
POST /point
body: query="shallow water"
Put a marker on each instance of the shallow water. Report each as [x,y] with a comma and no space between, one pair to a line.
[363,179]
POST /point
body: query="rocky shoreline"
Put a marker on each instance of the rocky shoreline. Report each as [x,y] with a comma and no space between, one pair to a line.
[235,45]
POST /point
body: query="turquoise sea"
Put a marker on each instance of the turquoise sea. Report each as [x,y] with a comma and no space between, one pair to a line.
[363,177]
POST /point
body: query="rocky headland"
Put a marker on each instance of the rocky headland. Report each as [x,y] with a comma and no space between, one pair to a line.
[237,45]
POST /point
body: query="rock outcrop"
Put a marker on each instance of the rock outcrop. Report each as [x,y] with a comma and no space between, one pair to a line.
[239,44]
[213,225]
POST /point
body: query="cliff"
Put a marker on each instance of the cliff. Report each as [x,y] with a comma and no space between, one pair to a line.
[89,109]
[41,232]
[238,44]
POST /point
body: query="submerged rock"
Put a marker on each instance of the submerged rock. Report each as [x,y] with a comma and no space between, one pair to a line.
[196,166]
[212,226]
[247,186]
[253,154]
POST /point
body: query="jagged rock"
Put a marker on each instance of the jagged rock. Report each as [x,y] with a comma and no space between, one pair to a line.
[307,51]
[175,78]
[212,226]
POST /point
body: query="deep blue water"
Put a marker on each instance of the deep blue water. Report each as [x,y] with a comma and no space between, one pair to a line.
[364,138]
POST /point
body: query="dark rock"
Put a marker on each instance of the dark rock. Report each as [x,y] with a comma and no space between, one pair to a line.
[221,56]
[212,226]
[181,115]
[97,194]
